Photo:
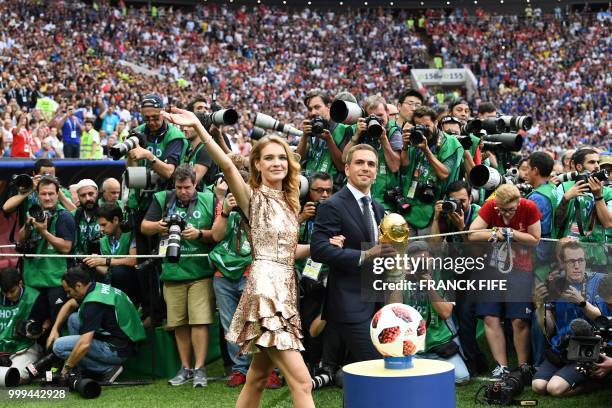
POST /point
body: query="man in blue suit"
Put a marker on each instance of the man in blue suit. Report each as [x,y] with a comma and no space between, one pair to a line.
[353,214]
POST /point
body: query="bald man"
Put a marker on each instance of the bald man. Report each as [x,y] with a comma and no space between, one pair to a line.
[111,189]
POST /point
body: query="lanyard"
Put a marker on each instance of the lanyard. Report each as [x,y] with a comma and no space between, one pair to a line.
[114,245]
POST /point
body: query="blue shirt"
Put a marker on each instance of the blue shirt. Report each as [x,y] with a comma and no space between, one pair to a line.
[71,133]
[109,123]
[545,208]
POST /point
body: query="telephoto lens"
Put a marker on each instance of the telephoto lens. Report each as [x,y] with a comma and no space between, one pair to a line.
[176,225]
[23,181]
[121,149]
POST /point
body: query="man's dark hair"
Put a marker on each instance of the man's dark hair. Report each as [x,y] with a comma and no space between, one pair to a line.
[486,107]
[321,175]
[109,211]
[605,287]
[9,278]
[569,245]
[580,155]
[313,94]
[422,112]
[184,172]
[48,180]
[543,162]
[88,121]
[194,101]
[40,163]
[458,186]
[456,102]
[410,92]
[76,274]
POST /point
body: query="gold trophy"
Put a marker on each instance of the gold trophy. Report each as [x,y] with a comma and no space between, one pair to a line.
[393,229]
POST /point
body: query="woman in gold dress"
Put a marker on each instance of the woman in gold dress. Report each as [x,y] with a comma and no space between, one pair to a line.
[266,319]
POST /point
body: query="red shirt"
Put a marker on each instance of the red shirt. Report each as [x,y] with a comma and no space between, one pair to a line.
[527,214]
[21,143]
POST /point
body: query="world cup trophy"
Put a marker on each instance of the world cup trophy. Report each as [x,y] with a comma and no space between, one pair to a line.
[393,230]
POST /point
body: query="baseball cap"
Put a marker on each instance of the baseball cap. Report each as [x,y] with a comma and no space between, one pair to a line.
[152,101]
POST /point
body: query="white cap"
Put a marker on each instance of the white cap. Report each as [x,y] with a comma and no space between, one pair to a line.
[85,183]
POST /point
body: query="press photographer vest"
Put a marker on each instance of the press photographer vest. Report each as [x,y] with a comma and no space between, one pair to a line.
[85,231]
[45,272]
[200,218]
[33,199]
[190,158]
[120,247]
[318,157]
[158,149]
[549,191]
[596,254]
[385,179]
[437,331]
[420,214]
[126,314]
[233,253]
[9,315]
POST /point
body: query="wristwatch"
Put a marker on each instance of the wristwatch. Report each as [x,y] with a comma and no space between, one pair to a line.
[200,234]
[582,304]
[153,161]
[108,262]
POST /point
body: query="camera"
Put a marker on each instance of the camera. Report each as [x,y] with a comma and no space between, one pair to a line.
[466,141]
[85,387]
[221,117]
[23,181]
[141,178]
[419,134]
[525,189]
[503,392]
[35,211]
[29,329]
[500,142]
[601,175]
[587,341]
[452,205]
[516,123]
[27,247]
[400,203]
[176,225]
[37,369]
[319,125]
[134,139]
[426,192]
[556,287]
[93,244]
[324,377]
[374,126]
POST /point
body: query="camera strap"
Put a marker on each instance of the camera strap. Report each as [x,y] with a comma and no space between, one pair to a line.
[171,204]
[579,219]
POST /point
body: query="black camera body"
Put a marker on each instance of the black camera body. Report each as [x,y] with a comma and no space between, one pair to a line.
[452,205]
[419,134]
[426,192]
[134,139]
[396,197]
[601,175]
[27,329]
[35,211]
[85,387]
[27,247]
[588,341]
[505,391]
[374,126]
[556,287]
[319,125]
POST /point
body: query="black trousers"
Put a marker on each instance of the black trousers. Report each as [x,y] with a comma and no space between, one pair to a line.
[356,338]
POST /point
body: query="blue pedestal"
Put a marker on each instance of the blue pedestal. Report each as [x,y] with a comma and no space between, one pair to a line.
[430,383]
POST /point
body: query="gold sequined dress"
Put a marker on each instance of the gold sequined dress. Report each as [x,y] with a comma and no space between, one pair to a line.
[267,314]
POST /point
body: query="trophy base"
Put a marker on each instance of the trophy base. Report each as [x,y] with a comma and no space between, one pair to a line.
[398,363]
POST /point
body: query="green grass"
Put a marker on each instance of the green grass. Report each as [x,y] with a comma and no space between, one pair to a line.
[217,394]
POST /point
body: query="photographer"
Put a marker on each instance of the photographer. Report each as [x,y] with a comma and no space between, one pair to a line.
[437,312]
[545,194]
[407,102]
[460,109]
[576,297]
[87,240]
[387,146]
[23,318]
[52,231]
[430,161]
[187,282]
[603,368]
[517,220]
[102,333]
[162,151]
[322,152]
[116,240]
[27,196]
[585,210]
[110,192]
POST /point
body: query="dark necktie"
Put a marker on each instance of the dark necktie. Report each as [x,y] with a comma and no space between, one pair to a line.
[367,217]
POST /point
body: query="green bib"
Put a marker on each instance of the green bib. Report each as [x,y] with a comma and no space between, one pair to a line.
[44,272]
[232,254]
[126,314]
[200,218]
[85,231]
[385,179]
[158,149]
[420,214]
[437,330]
[121,247]
[318,157]
[190,158]
[9,315]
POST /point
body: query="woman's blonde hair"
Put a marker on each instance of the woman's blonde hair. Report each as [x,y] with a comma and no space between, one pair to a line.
[291,182]
[506,194]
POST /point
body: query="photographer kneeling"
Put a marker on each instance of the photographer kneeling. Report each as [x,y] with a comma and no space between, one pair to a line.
[103,331]
[575,297]
[24,316]
[183,218]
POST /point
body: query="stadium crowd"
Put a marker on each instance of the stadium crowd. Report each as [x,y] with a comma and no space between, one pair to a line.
[66,96]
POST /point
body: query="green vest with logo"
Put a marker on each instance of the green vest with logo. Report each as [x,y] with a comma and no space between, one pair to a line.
[121,247]
[158,150]
[232,254]
[126,314]
[85,231]
[551,193]
[437,331]
[10,315]
[190,158]
[200,218]
[318,157]
[420,214]
[596,254]
[44,272]
[385,179]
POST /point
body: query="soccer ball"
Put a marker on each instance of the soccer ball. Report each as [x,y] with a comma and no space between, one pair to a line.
[398,330]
